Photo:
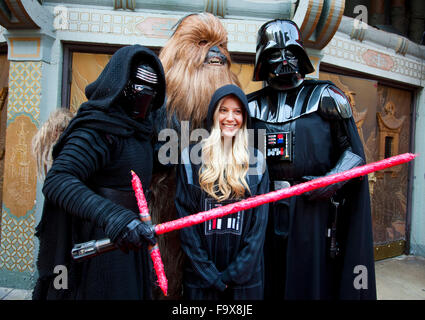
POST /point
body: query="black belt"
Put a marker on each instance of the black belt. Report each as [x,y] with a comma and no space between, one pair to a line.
[127,199]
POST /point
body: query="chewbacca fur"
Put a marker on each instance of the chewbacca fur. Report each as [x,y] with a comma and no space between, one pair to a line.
[190,86]
[46,137]
[190,82]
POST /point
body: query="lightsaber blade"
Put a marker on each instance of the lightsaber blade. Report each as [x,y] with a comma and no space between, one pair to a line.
[146,218]
[282,193]
[270,197]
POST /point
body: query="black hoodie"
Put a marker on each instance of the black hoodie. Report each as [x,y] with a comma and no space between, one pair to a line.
[229,250]
[86,186]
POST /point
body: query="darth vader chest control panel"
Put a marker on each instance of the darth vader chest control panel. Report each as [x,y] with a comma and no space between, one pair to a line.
[279,146]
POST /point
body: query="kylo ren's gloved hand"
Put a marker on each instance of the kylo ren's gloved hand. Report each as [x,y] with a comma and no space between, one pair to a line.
[134,236]
[348,160]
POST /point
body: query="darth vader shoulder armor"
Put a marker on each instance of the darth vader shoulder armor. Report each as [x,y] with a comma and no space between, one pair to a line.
[334,104]
[274,106]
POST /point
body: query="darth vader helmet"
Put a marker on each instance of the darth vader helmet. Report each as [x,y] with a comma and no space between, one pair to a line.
[280,56]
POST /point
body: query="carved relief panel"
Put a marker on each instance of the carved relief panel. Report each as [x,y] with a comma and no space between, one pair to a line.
[382,117]
[389,135]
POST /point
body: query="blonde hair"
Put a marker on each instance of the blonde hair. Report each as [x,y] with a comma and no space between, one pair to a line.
[224,179]
[46,137]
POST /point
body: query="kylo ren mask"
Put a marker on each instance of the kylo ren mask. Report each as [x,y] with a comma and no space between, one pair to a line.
[140,91]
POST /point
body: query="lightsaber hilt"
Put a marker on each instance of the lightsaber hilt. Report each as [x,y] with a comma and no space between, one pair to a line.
[93,248]
[90,249]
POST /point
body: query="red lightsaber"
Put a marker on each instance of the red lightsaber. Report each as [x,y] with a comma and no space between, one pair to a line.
[145,217]
[88,249]
[282,193]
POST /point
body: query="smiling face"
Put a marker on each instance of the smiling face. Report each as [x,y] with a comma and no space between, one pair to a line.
[230,116]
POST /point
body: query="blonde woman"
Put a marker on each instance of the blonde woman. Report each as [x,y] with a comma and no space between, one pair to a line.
[225,255]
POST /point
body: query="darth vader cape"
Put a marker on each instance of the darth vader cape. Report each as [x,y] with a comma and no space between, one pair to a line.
[298,263]
[93,156]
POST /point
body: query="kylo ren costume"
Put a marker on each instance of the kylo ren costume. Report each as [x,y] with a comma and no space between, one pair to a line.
[88,193]
[228,250]
[314,241]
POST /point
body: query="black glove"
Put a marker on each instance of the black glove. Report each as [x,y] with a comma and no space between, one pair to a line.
[348,160]
[134,235]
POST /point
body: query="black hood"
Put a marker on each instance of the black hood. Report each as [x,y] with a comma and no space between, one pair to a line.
[102,112]
[221,93]
[103,92]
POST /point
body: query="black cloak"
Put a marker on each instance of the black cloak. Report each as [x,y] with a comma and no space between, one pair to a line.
[88,193]
[228,250]
[298,265]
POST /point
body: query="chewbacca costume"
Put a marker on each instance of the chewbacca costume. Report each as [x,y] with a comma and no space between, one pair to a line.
[196,63]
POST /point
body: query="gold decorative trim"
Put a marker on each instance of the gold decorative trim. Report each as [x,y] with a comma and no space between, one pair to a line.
[390,250]
[312,6]
[20,180]
[402,46]
[315,62]
[3,95]
[13,41]
[307,15]
[316,20]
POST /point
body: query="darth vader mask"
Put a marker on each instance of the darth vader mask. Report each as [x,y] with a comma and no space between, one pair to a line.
[280,56]
[282,69]
[140,91]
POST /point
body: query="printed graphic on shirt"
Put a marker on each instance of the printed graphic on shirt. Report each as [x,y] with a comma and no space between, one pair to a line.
[231,223]
[278,145]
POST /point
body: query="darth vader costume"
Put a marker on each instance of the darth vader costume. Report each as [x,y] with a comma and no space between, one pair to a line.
[88,193]
[314,241]
[226,251]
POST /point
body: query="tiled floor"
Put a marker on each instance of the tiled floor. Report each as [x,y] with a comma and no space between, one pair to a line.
[14,294]
[400,278]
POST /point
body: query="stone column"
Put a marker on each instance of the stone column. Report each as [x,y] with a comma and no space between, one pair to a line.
[417,232]
[29,56]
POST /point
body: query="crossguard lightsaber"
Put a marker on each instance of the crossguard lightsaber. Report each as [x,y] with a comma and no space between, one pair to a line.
[96,247]
[90,249]
[146,218]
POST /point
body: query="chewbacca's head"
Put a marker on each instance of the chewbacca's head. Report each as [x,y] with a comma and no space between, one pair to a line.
[196,63]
